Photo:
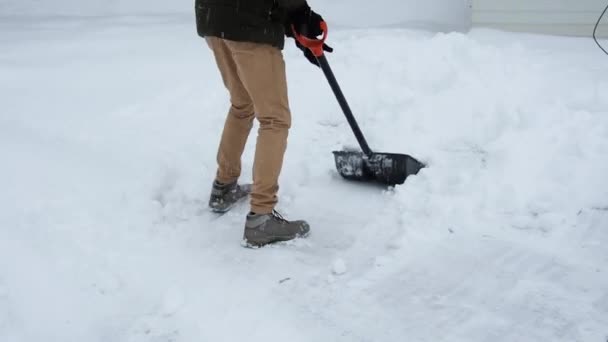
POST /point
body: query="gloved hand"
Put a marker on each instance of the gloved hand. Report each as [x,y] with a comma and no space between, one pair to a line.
[308,24]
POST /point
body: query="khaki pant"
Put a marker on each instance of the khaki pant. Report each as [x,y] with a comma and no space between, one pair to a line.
[254,75]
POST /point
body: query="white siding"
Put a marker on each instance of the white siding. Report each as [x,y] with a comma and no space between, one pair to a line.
[433,14]
[569,17]
[430,14]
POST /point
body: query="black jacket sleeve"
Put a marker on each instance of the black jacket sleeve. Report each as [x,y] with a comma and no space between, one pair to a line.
[290,5]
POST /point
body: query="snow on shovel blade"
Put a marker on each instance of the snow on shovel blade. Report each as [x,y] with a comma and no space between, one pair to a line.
[385,168]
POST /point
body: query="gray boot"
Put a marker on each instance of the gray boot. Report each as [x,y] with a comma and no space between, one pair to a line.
[261,230]
[225,196]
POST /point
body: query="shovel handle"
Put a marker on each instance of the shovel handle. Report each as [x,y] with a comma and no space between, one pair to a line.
[314,45]
[333,83]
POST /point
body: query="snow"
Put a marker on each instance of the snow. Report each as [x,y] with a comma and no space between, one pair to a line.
[108,134]
[339,267]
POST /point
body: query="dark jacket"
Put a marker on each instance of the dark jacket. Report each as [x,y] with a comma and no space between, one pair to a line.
[256,21]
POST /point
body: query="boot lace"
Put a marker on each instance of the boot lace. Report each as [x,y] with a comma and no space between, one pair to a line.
[278,216]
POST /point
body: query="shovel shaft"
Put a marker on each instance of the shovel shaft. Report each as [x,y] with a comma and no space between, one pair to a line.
[344,104]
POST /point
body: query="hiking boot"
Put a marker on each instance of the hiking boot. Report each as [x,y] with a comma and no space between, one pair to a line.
[225,196]
[263,229]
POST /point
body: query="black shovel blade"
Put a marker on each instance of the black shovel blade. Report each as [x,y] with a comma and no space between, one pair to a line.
[385,168]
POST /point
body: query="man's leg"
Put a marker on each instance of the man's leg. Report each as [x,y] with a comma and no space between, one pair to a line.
[261,69]
[240,116]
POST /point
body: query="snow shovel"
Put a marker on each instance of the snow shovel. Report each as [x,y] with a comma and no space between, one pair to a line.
[385,168]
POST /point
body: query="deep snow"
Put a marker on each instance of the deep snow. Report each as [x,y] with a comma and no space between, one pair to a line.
[108,133]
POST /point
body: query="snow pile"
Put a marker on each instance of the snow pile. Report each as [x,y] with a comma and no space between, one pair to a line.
[108,136]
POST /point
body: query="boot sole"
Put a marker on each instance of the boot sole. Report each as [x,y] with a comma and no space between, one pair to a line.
[222,211]
[271,240]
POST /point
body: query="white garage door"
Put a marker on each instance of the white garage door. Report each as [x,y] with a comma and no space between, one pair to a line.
[570,17]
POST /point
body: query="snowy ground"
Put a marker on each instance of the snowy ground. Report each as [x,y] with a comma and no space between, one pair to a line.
[108,133]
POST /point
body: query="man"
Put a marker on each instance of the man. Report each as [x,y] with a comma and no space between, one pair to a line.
[246,38]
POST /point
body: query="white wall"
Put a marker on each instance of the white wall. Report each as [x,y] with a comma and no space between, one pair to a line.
[436,14]
[93,7]
[571,17]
